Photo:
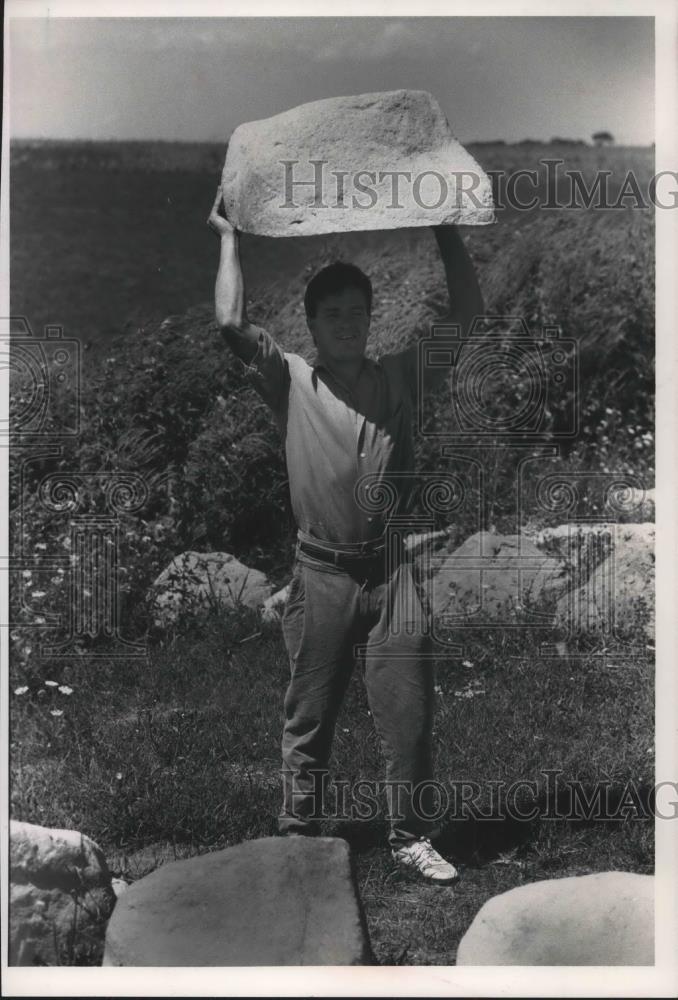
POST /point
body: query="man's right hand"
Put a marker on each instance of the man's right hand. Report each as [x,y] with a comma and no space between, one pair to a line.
[217,222]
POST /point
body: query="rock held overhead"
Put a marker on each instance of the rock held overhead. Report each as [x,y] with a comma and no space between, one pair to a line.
[374,161]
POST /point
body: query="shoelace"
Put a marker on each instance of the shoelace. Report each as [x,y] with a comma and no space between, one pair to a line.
[424,850]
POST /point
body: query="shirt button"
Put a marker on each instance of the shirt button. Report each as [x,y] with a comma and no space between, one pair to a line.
[363,455]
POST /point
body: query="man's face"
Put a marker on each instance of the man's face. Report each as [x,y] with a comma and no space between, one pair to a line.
[340,326]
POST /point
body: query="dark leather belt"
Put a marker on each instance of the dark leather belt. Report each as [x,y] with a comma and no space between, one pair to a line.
[359,555]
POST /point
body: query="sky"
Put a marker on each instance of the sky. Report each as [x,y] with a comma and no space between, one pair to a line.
[196,79]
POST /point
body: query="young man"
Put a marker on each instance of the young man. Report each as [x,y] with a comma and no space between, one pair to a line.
[342,418]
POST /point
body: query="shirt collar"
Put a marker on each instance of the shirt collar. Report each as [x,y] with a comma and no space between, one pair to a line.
[318,366]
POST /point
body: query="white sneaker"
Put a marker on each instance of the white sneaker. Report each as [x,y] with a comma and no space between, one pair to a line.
[422,857]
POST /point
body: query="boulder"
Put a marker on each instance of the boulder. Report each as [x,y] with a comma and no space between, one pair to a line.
[618,596]
[195,580]
[601,919]
[60,896]
[493,577]
[362,140]
[273,901]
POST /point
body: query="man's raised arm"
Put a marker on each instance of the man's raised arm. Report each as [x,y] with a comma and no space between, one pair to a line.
[465,297]
[466,300]
[229,293]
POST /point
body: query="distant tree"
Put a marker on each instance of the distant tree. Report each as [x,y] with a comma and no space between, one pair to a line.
[603,138]
[558,140]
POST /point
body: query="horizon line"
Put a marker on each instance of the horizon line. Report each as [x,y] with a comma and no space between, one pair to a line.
[554,140]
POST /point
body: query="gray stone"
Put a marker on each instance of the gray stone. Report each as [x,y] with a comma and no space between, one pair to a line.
[401,130]
[601,919]
[195,580]
[273,901]
[493,577]
[60,895]
[618,595]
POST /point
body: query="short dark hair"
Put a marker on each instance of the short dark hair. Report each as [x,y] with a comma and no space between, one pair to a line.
[335,278]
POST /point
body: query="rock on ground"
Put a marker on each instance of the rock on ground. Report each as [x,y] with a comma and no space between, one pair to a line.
[273,901]
[401,130]
[601,919]
[490,577]
[60,895]
[618,596]
[194,580]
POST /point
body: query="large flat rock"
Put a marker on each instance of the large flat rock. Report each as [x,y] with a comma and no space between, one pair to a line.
[273,901]
[601,919]
[357,143]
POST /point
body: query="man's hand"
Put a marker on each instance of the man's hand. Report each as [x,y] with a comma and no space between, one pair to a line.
[229,292]
[217,222]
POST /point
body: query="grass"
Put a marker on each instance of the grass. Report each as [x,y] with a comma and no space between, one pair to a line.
[180,755]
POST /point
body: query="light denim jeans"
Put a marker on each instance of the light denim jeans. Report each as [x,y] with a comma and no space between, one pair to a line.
[329,611]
